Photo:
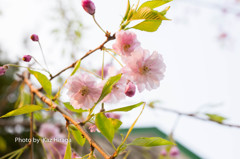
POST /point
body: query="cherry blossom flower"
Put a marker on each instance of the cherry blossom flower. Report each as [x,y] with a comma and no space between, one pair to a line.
[126,42]
[145,69]
[2,71]
[92,128]
[83,91]
[49,130]
[52,135]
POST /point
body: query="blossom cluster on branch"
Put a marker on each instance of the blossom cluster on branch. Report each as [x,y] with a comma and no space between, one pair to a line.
[140,70]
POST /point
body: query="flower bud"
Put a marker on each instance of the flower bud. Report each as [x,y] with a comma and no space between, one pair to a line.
[34,37]
[27,58]
[174,151]
[130,89]
[92,128]
[113,115]
[88,6]
[2,71]
[163,152]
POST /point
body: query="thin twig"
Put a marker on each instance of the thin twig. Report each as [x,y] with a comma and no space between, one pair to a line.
[197,117]
[100,47]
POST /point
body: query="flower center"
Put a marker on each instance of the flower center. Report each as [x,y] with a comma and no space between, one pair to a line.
[84,91]
[144,70]
[126,47]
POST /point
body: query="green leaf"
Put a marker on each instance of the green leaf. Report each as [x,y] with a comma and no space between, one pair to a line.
[23,110]
[107,88]
[68,152]
[76,67]
[148,25]
[150,142]
[105,126]
[147,13]
[70,107]
[127,108]
[77,135]
[216,118]
[43,80]
[154,3]
[127,11]
[116,123]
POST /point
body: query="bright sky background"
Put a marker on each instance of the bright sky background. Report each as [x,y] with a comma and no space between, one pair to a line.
[201,69]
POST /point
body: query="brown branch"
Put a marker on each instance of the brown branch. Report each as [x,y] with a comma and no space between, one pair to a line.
[197,117]
[100,47]
[67,116]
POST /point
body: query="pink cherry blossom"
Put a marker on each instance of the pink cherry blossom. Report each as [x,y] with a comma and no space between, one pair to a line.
[126,42]
[52,134]
[118,91]
[145,69]
[2,71]
[92,128]
[130,89]
[83,91]
[49,130]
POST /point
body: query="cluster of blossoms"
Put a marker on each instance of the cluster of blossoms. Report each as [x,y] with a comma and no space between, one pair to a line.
[142,70]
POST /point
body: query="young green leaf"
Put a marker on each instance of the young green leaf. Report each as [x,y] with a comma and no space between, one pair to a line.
[116,123]
[23,110]
[43,80]
[77,135]
[107,88]
[105,126]
[215,117]
[76,67]
[154,3]
[148,25]
[147,13]
[127,11]
[150,142]
[70,107]
[68,152]
[127,108]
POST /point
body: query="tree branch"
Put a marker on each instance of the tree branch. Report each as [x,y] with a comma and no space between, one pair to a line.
[196,117]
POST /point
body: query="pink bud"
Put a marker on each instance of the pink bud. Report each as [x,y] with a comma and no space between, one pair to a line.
[130,89]
[113,115]
[163,152]
[34,37]
[27,58]
[88,6]
[174,151]
[92,128]
[2,71]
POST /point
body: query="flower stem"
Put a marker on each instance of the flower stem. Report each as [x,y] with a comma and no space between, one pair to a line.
[103,66]
[98,24]
[115,58]
[43,57]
